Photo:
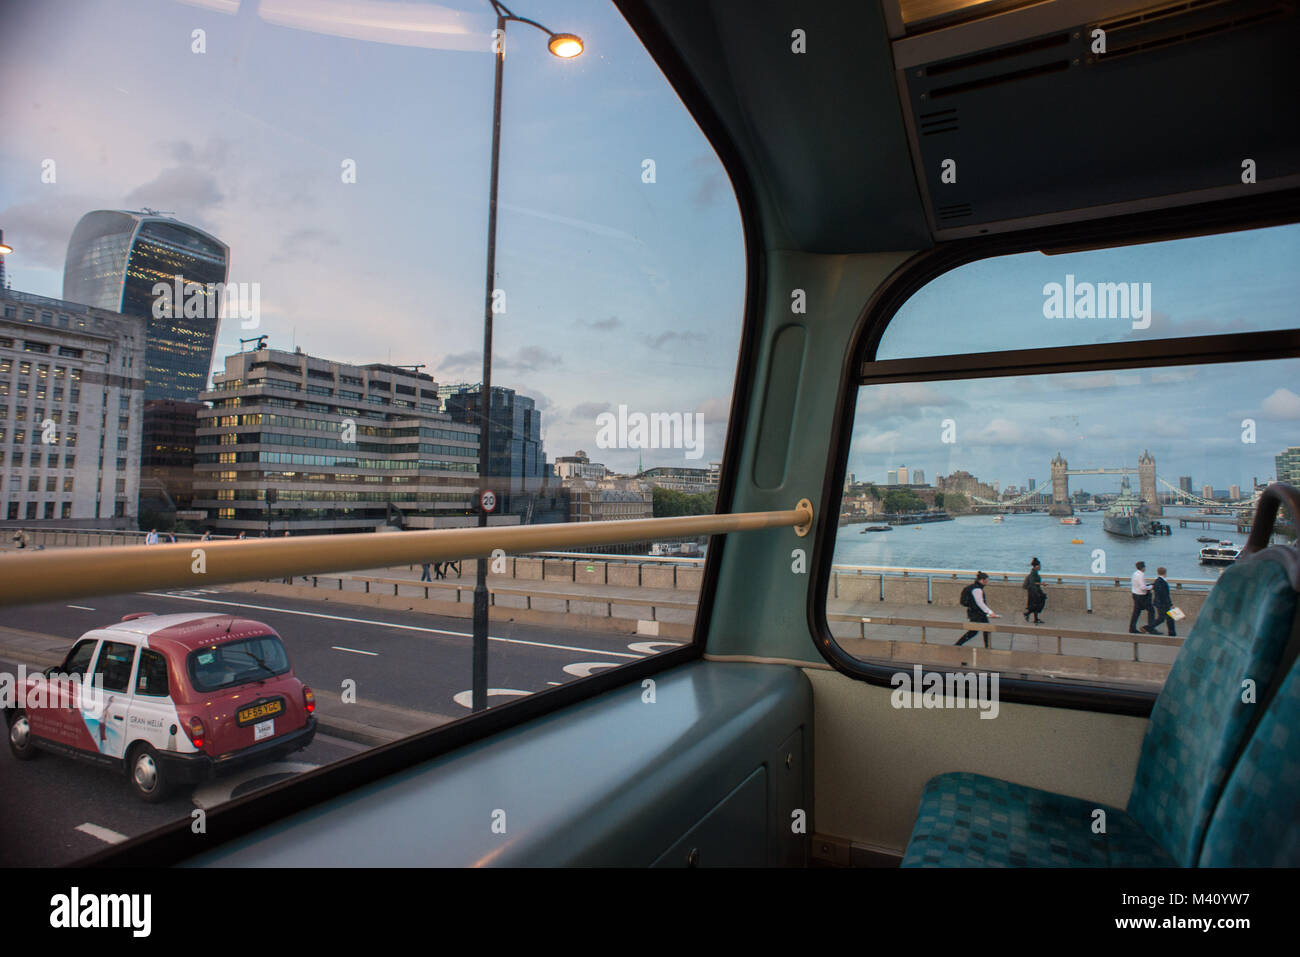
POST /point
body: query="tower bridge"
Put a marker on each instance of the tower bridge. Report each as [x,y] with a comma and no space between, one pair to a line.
[1058,489]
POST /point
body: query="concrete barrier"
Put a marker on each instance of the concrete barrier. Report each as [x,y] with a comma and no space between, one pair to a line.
[690,577]
[658,576]
[557,570]
[624,575]
[529,569]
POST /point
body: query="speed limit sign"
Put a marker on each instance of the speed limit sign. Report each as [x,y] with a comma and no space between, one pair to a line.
[488,500]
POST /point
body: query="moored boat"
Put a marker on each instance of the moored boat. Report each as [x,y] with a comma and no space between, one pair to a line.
[1126,516]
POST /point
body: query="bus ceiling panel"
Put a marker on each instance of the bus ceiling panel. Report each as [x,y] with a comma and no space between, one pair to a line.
[806,93]
[1186,103]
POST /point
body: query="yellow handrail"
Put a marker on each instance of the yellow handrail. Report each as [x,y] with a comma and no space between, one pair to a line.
[29,577]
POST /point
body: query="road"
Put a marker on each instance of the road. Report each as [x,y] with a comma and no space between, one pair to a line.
[409,670]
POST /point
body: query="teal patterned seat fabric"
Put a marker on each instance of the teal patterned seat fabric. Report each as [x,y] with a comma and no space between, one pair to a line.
[969,820]
[1257,821]
[1196,730]
[1199,721]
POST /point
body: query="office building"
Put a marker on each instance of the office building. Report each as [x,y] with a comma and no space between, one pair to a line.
[515,452]
[918,477]
[167,456]
[578,466]
[116,258]
[1185,484]
[1207,491]
[1234,492]
[902,475]
[71,402]
[693,481]
[1288,466]
[343,448]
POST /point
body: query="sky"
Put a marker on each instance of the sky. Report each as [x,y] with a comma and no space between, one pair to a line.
[617,291]
[1190,417]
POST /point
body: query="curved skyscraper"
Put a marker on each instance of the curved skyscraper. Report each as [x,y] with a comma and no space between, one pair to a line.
[115,258]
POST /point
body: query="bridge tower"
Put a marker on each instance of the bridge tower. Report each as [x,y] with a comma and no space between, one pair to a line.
[1147,484]
[1061,504]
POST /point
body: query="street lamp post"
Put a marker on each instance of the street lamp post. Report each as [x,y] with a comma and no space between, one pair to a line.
[565,46]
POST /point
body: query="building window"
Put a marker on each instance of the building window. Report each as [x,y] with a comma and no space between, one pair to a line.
[67,484]
[65,510]
[33,484]
[50,481]
[121,486]
[30,511]
[48,510]
[69,461]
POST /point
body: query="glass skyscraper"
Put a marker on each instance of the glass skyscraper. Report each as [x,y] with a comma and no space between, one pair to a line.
[116,257]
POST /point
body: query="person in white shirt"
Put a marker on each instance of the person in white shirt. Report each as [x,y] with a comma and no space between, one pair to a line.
[152,537]
[1141,600]
[976,609]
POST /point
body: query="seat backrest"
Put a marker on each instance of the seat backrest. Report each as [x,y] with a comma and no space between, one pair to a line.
[1257,820]
[1200,722]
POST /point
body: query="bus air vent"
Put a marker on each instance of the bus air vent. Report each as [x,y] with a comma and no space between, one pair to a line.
[940,121]
[1183,22]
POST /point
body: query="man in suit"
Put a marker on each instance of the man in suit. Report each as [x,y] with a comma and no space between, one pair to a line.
[1160,598]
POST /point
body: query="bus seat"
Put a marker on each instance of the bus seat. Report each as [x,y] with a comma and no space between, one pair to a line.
[1197,731]
[1257,820]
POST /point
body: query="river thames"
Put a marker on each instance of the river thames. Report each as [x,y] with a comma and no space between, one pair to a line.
[976,541]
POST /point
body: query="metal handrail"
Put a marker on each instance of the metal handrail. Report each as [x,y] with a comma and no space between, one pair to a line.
[69,573]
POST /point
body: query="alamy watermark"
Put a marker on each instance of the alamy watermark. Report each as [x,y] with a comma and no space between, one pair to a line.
[215,300]
[657,430]
[39,689]
[1103,300]
[952,690]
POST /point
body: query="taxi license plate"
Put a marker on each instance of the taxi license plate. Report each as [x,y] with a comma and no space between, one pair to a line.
[264,729]
[257,712]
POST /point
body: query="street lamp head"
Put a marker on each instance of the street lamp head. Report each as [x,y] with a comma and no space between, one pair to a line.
[565,45]
[4,250]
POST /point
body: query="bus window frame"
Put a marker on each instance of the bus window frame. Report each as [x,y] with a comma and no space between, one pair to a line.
[860,368]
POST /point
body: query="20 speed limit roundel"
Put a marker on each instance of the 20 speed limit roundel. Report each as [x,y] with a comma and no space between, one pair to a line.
[488,500]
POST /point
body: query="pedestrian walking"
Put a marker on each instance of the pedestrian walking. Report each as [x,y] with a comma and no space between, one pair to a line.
[439,570]
[207,536]
[972,596]
[424,575]
[152,537]
[1035,597]
[1141,599]
[1163,603]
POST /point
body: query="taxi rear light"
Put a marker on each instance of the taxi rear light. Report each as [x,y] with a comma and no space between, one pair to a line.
[194,728]
[308,699]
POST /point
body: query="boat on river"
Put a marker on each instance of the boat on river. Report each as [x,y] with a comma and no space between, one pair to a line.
[876,528]
[1224,553]
[1126,516]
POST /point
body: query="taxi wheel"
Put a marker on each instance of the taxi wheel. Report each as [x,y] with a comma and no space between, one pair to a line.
[145,772]
[20,738]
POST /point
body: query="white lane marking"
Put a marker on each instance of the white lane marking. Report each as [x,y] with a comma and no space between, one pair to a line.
[648,647]
[552,682]
[466,698]
[356,651]
[583,669]
[103,833]
[389,624]
[82,607]
[218,792]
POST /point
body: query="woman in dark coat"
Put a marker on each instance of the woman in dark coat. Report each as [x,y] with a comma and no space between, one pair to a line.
[1036,598]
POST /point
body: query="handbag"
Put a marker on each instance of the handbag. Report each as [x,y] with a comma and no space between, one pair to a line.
[1176,614]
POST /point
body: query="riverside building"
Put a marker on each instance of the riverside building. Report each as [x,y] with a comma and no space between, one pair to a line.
[71,401]
[338,447]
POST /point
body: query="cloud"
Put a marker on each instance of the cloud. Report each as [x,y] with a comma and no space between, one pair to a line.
[664,338]
[1282,404]
[589,410]
[909,400]
[601,325]
[185,188]
[527,359]
[39,231]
